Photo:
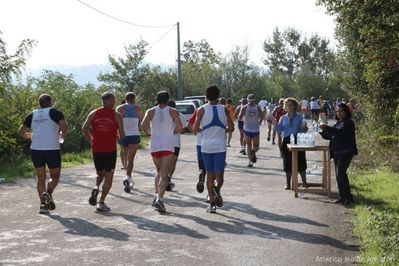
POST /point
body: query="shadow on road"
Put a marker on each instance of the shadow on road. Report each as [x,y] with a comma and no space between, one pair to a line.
[77,226]
[150,225]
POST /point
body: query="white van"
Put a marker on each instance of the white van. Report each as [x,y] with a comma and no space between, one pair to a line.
[187,108]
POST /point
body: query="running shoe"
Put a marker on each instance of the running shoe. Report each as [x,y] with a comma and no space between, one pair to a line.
[273,142]
[217,196]
[160,206]
[200,184]
[250,164]
[48,200]
[268,138]
[211,208]
[102,207]
[43,209]
[254,158]
[228,145]
[93,198]
[128,183]
[242,151]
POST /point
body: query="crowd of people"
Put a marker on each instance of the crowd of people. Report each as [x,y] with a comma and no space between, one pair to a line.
[212,123]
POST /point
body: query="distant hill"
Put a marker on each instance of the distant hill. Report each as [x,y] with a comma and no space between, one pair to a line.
[81,75]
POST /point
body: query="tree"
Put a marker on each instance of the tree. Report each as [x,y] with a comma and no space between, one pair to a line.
[130,71]
[368,33]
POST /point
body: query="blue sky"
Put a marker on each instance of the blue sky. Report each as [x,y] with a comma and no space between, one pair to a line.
[69,33]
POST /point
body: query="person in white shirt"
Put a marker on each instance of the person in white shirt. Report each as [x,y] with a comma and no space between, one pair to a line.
[213,121]
[263,107]
[175,155]
[49,129]
[161,123]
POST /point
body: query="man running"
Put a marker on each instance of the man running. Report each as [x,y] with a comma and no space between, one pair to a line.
[243,102]
[101,129]
[314,108]
[277,113]
[253,117]
[230,107]
[131,114]
[176,153]
[160,123]
[202,171]
[48,128]
[211,121]
[263,106]
[304,106]
[270,118]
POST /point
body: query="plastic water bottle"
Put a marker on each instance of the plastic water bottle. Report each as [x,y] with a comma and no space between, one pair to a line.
[292,139]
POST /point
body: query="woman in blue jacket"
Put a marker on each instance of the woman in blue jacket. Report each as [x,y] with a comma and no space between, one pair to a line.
[342,149]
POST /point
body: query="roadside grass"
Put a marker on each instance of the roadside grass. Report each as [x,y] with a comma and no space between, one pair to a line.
[23,168]
[376,215]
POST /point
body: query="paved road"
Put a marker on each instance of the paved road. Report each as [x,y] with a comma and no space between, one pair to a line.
[260,223]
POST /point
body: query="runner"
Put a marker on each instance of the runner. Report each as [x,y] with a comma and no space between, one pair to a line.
[131,114]
[325,110]
[263,106]
[121,152]
[270,118]
[243,102]
[230,107]
[201,166]
[160,123]
[48,128]
[278,112]
[304,106]
[175,155]
[291,124]
[253,117]
[213,121]
[100,129]
[314,108]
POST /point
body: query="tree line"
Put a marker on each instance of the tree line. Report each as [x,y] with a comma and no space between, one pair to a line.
[294,65]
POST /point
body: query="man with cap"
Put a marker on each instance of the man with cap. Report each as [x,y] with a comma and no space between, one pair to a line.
[101,129]
[253,117]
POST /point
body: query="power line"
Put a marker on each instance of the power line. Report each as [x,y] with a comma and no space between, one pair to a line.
[160,38]
[122,20]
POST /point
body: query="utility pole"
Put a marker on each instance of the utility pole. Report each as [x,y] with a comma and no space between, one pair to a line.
[179,73]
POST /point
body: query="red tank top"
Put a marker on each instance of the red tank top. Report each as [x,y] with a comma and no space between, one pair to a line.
[280,114]
[104,129]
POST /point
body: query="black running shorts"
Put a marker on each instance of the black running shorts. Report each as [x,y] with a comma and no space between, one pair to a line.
[104,161]
[51,158]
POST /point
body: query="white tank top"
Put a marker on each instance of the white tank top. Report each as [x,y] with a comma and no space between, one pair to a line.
[213,126]
[162,126]
[45,132]
[251,121]
[304,104]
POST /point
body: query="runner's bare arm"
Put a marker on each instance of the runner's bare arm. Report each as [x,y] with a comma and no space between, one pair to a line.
[149,115]
[242,113]
[230,124]
[120,109]
[237,111]
[121,131]
[23,132]
[64,128]
[87,125]
[197,123]
[176,118]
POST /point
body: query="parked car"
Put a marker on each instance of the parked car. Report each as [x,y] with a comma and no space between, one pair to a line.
[198,103]
[187,108]
[199,97]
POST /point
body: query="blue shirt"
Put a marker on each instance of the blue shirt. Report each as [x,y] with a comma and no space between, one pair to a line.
[287,126]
